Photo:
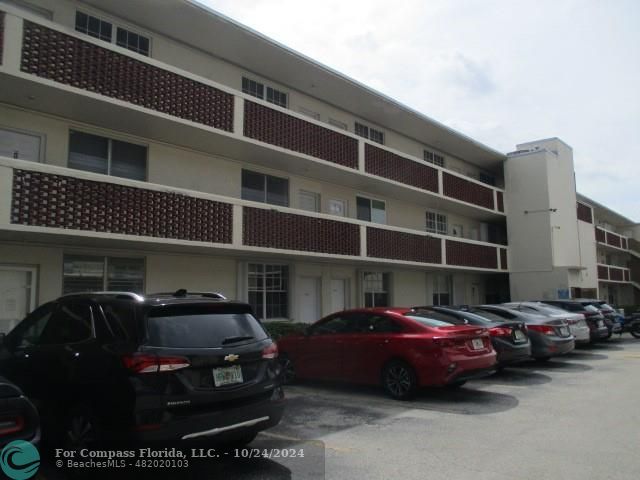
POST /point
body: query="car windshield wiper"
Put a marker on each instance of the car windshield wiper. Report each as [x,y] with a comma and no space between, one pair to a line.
[229,340]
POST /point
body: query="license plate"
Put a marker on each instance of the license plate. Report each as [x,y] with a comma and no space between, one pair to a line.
[600,323]
[518,335]
[477,344]
[564,331]
[227,375]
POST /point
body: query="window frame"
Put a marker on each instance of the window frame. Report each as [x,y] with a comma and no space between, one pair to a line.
[105,269]
[439,290]
[433,158]
[262,316]
[265,92]
[265,190]
[440,222]
[365,131]
[315,195]
[386,289]
[109,159]
[41,136]
[371,208]
[115,25]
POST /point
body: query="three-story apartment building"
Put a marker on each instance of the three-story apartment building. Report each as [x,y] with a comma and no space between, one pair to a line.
[151,146]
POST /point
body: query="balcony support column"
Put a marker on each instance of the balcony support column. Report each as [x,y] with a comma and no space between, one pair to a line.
[12,54]
[6,187]
[236,232]
[238,115]
[440,182]
[361,166]
[443,244]
[363,241]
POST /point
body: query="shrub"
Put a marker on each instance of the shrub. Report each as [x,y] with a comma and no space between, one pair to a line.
[278,330]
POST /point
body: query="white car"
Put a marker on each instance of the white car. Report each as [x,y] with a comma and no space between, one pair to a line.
[577,323]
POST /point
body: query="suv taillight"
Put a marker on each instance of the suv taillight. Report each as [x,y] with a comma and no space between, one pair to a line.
[10,425]
[270,352]
[149,363]
[546,329]
[500,332]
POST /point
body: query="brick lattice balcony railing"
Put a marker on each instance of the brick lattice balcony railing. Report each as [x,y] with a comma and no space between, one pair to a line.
[471,255]
[584,213]
[277,128]
[500,200]
[614,240]
[403,246]
[603,272]
[601,235]
[467,191]
[386,164]
[616,274]
[63,58]
[57,201]
[503,259]
[288,231]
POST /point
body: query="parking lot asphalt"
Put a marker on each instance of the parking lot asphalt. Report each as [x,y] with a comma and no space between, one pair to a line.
[575,417]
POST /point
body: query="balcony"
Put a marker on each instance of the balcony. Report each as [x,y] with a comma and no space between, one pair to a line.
[56,70]
[46,203]
[612,273]
[611,239]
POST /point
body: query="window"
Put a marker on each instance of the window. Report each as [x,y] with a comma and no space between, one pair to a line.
[276,97]
[376,289]
[309,113]
[20,145]
[28,332]
[259,187]
[309,201]
[98,154]
[371,210]
[257,89]
[71,323]
[120,320]
[436,223]
[442,289]
[87,274]
[338,207]
[433,158]
[132,41]
[370,133]
[487,178]
[338,123]
[93,26]
[268,290]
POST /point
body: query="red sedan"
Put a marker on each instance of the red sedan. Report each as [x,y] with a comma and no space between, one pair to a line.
[398,347]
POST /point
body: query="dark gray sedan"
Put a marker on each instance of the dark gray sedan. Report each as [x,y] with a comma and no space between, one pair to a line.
[549,337]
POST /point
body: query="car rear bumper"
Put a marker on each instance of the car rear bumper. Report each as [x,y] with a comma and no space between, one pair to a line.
[600,333]
[581,334]
[546,346]
[509,353]
[471,374]
[217,425]
[457,368]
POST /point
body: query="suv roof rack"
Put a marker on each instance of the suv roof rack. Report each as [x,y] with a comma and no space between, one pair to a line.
[183,293]
[117,294]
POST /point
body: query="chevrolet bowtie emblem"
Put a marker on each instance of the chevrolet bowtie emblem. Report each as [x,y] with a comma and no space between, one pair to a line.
[231,358]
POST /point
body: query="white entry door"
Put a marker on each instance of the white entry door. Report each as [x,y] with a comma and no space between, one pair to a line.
[338,294]
[17,295]
[309,295]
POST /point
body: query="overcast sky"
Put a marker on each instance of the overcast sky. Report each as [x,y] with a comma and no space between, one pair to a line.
[500,71]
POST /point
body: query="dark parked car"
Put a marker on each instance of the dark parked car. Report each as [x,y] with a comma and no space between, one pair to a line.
[549,337]
[120,366]
[19,419]
[401,348]
[596,321]
[509,338]
[611,316]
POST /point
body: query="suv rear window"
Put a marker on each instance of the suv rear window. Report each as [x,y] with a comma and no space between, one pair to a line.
[202,326]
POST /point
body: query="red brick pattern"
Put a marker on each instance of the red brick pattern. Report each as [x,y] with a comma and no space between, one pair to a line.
[56,56]
[614,240]
[615,274]
[600,235]
[603,272]
[57,201]
[277,128]
[584,213]
[470,192]
[288,231]
[403,246]
[500,199]
[1,35]
[471,255]
[633,244]
[385,164]
[503,259]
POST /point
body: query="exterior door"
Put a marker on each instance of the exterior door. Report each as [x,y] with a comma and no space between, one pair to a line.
[17,295]
[309,295]
[338,294]
[20,145]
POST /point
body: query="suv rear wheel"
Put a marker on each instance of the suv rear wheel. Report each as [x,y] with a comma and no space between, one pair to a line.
[288,369]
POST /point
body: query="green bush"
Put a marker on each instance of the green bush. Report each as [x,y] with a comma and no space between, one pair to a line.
[278,330]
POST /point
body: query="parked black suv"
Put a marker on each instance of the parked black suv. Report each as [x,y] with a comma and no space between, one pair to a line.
[164,367]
